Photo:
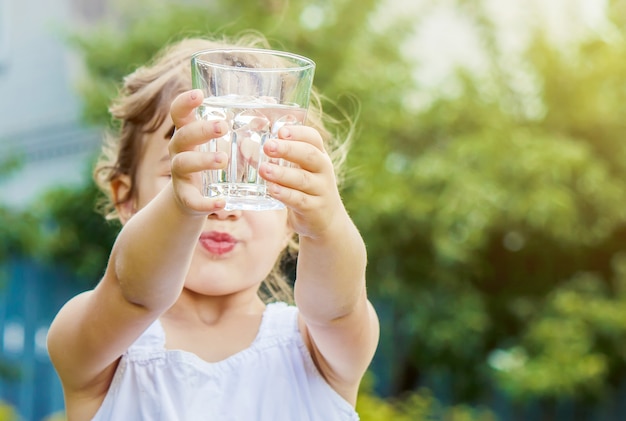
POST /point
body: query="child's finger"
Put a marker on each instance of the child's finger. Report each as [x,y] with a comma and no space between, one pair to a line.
[293,179]
[196,133]
[190,198]
[303,154]
[303,134]
[294,198]
[188,162]
[183,106]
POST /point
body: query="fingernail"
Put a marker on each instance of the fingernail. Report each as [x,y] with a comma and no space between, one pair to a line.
[217,127]
[219,157]
[272,146]
[285,133]
[194,93]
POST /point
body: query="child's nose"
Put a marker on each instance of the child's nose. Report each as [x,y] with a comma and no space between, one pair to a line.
[225,214]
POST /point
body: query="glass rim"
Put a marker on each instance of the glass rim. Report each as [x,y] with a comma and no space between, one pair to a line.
[307,63]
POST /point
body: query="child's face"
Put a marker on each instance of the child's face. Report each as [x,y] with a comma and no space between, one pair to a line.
[236,250]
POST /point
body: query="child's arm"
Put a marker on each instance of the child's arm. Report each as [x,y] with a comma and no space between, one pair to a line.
[340,324]
[146,269]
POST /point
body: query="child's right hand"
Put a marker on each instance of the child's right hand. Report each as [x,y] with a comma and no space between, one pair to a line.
[187,161]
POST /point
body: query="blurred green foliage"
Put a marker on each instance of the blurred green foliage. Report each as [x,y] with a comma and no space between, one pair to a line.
[494,217]
[74,234]
[7,413]
[62,228]
[419,405]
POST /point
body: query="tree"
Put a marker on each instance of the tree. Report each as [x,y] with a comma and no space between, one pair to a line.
[512,222]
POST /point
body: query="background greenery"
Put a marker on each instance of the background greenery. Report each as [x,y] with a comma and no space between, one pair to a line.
[494,216]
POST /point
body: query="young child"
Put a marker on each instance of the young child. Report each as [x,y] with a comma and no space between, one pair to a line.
[178,328]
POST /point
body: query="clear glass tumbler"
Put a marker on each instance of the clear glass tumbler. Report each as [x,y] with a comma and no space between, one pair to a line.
[256,92]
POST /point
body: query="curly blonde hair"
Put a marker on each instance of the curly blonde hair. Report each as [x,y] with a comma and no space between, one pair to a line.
[142,106]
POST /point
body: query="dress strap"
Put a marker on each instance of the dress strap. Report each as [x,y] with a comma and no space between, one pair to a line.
[152,337]
[279,319]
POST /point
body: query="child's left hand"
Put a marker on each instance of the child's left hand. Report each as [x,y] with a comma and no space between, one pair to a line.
[309,190]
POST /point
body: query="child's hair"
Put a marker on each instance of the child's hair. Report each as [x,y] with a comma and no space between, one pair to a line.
[142,105]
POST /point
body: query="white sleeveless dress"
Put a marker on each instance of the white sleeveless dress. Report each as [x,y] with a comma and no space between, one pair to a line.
[274,379]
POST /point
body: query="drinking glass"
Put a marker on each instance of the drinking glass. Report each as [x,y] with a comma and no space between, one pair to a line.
[256,92]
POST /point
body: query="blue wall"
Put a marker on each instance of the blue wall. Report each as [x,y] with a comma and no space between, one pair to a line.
[30,296]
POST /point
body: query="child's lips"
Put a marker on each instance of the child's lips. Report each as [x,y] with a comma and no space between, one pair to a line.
[218,243]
